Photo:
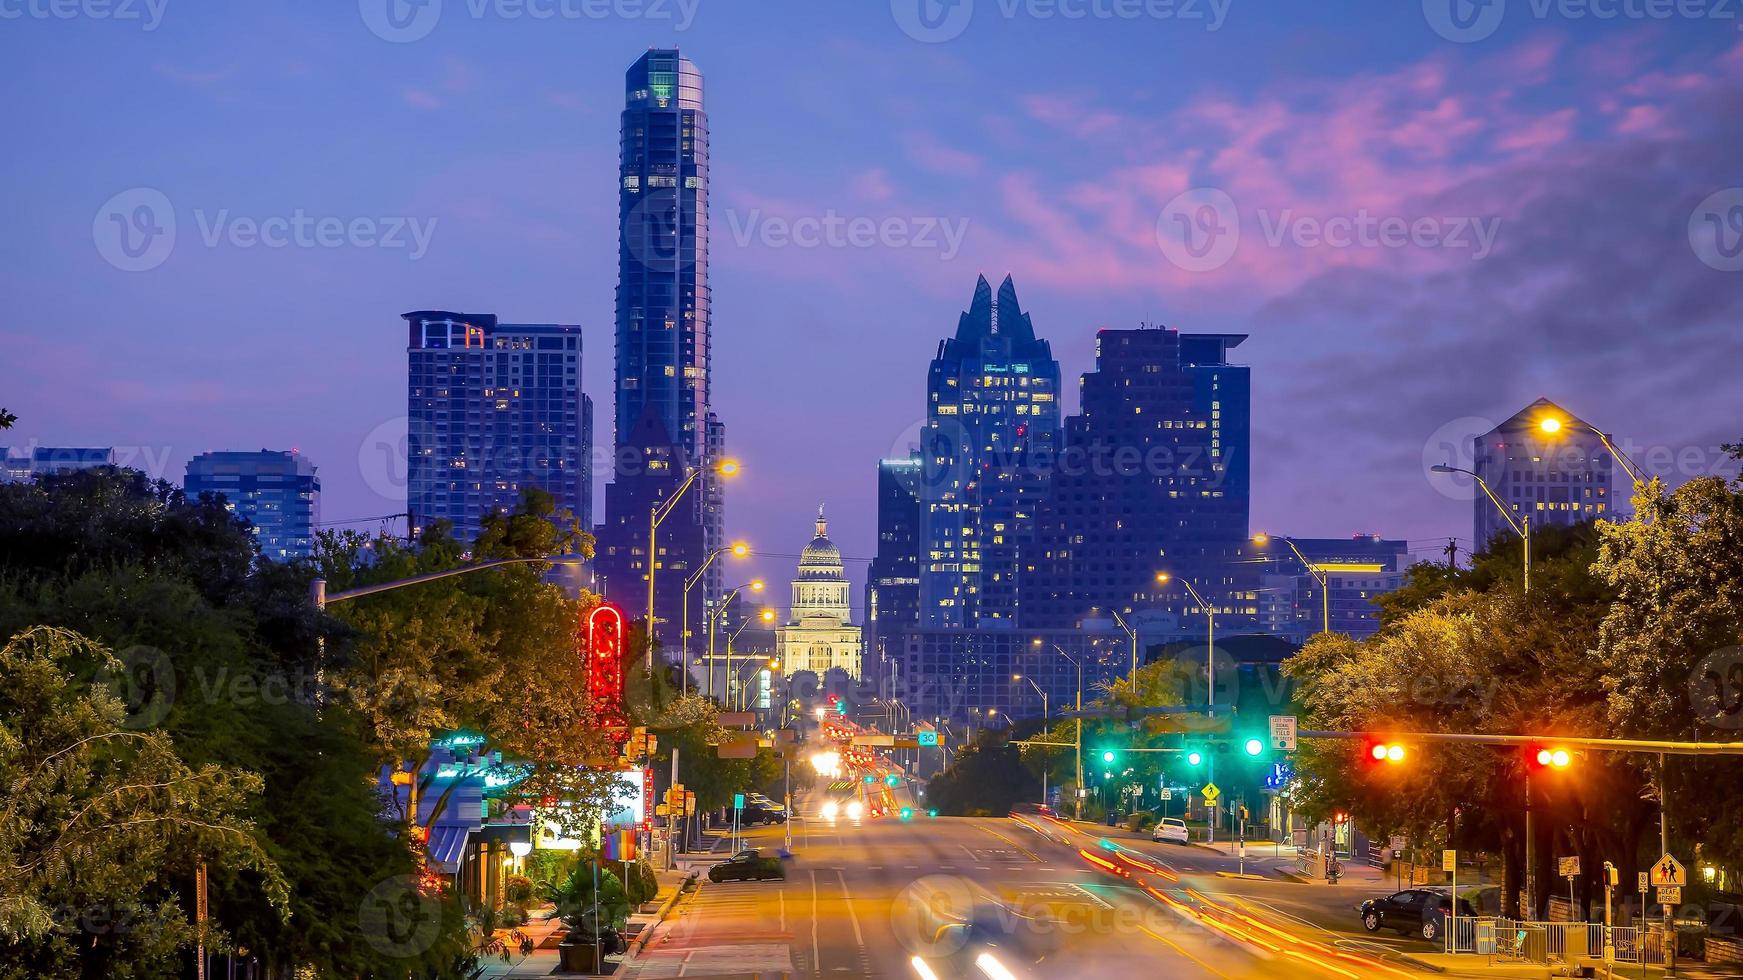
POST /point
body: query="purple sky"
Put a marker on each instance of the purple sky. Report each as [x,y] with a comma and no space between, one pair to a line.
[1565,185]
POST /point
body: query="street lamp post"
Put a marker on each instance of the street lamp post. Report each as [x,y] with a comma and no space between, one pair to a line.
[657,516]
[1077,804]
[737,550]
[755,585]
[1209,675]
[1318,574]
[1134,636]
[1522,526]
[1044,765]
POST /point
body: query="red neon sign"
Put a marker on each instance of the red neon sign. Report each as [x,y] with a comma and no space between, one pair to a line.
[602,652]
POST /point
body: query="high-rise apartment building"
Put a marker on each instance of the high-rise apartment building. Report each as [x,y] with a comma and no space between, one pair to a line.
[665,426]
[52,461]
[987,452]
[1544,463]
[277,493]
[892,584]
[1153,477]
[494,409]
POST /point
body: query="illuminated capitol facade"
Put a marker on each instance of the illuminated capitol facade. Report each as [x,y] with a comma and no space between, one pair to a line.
[820,636]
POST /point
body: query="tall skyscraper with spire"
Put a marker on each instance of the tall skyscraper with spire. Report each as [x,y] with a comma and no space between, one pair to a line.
[992,425]
[665,426]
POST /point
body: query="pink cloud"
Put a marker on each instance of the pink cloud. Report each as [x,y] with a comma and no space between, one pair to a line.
[928,152]
[417,98]
[871,185]
[1543,131]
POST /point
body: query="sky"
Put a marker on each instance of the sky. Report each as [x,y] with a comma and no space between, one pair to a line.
[1424,214]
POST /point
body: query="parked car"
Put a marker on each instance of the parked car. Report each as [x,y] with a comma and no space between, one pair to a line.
[747,865]
[755,813]
[1171,830]
[1418,911]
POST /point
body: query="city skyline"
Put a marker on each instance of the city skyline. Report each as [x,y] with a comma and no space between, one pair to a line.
[516,218]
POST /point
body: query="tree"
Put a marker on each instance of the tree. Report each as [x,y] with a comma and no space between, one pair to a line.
[102,823]
[7,419]
[1671,646]
[984,779]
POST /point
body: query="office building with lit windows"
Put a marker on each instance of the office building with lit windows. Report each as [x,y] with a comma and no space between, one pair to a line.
[1153,477]
[493,409]
[1561,477]
[892,585]
[986,452]
[1357,570]
[665,425]
[277,493]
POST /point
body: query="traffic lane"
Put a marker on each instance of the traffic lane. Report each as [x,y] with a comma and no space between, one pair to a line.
[1323,917]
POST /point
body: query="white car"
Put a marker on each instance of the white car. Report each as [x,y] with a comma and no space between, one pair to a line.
[1169,829]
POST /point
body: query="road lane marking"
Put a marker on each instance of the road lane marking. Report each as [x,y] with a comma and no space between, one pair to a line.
[1009,841]
[816,949]
[852,916]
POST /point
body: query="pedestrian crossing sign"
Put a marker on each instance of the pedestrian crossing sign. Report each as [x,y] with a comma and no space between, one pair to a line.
[1210,792]
[1668,870]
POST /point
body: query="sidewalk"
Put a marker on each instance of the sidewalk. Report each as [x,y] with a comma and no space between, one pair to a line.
[543,961]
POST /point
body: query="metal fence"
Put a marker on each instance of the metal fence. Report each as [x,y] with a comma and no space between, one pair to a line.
[1543,942]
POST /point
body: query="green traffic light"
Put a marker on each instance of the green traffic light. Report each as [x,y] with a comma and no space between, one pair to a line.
[932,813]
[892,780]
[1195,758]
[1254,746]
[907,813]
[1107,757]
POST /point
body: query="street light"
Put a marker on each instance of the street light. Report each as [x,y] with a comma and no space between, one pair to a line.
[1522,526]
[755,585]
[1551,425]
[1078,807]
[1164,578]
[657,516]
[766,616]
[1037,687]
[738,549]
[1318,574]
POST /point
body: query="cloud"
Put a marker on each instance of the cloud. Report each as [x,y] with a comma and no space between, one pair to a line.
[929,153]
[871,185]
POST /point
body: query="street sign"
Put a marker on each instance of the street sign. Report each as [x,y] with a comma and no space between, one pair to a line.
[738,801]
[1670,894]
[1397,842]
[1167,795]
[1668,870]
[1449,860]
[1283,733]
[1210,792]
[926,739]
[1570,866]
[1643,881]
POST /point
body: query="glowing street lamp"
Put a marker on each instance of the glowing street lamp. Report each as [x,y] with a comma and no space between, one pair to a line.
[656,516]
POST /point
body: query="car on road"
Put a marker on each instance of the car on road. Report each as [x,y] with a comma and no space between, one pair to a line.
[747,865]
[1413,911]
[1170,830]
[755,813]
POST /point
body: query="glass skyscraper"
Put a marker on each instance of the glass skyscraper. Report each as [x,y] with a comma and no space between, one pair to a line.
[992,423]
[493,409]
[277,492]
[664,424]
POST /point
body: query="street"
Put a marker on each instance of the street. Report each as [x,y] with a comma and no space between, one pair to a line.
[868,900]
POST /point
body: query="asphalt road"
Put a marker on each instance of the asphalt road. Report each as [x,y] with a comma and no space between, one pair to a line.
[936,896]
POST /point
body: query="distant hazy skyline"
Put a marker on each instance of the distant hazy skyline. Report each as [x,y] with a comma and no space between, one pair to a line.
[1439,220]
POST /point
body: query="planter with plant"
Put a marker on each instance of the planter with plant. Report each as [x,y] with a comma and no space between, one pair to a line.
[593,917]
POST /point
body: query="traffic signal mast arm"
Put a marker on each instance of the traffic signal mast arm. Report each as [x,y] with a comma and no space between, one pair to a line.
[1572,742]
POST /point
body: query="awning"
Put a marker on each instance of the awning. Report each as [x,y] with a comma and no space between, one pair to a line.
[447,843]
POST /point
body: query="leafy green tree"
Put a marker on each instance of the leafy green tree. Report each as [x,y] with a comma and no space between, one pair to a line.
[101,828]
[984,778]
[7,419]
[1671,646]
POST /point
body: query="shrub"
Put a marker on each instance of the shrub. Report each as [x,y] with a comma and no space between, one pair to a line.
[517,890]
[1141,821]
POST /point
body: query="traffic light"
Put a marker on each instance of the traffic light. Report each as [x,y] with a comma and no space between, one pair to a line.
[1194,758]
[1109,756]
[1387,753]
[892,780]
[1550,757]
[907,813]
[932,812]
[1254,747]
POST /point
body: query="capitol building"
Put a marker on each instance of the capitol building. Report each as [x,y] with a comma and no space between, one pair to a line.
[820,635]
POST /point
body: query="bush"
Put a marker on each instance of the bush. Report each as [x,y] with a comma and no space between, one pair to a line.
[511,917]
[1141,821]
[517,890]
[550,867]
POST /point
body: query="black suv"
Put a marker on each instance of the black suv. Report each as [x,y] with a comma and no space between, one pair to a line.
[1414,910]
[747,865]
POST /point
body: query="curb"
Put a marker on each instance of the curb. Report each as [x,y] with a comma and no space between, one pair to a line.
[641,940]
[1421,964]
[1243,877]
